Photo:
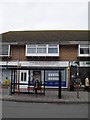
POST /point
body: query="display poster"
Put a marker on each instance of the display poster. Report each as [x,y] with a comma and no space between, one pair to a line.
[37,75]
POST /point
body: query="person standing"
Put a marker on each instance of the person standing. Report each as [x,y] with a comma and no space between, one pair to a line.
[87,84]
[6,81]
[36,85]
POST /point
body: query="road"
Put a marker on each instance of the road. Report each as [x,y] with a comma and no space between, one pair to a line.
[43,110]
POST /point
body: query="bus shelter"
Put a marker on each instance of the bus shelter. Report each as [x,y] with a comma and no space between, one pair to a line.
[21,87]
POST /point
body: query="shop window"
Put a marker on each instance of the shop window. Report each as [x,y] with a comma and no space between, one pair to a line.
[52,78]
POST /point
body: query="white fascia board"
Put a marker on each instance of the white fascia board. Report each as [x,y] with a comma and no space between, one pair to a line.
[38,63]
[45,63]
[9,63]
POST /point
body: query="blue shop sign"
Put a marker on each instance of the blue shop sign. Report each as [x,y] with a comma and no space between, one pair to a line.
[55,83]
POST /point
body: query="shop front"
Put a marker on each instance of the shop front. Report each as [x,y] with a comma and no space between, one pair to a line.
[82,70]
[51,74]
[51,77]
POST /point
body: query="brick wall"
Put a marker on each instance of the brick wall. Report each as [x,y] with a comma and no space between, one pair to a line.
[14,52]
[67,53]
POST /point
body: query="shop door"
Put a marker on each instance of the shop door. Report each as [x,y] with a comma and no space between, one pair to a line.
[24,78]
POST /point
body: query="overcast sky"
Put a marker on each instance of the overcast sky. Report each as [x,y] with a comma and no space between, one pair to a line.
[43,15]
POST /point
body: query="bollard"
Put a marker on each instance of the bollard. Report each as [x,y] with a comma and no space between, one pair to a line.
[59,85]
[77,91]
[77,94]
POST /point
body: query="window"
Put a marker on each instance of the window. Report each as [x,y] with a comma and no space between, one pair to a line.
[52,49]
[84,50]
[42,50]
[52,78]
[31,49]
[52,75]
[5,50]
[23,76]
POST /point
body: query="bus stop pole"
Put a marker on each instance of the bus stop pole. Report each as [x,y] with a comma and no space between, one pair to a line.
[77,82]
[44,82]
[11,81]
[14,81]
[29,82]
[59,84]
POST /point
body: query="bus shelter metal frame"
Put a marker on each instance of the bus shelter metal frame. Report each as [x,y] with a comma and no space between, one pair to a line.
[13,69]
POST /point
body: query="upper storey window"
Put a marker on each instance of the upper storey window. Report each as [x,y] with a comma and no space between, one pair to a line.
[4,50]
[84,50]
[31,49]
[42,50]
[52,49]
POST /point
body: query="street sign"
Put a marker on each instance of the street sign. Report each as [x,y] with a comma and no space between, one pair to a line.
[74,63]
[88,62]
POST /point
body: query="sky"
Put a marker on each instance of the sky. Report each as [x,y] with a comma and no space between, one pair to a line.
[22,15]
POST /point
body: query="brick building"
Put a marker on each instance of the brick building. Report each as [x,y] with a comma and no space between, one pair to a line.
[52,48]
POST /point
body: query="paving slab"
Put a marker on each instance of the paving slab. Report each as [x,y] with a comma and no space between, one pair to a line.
[49,97]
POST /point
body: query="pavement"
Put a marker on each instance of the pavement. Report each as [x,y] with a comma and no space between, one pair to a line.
[51,96]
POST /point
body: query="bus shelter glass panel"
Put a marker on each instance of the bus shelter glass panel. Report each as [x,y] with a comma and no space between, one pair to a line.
[63,78]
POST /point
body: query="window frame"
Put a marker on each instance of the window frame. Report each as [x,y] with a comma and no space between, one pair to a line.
[53,46]
[41,46]
[9,47]
[83,55]
[43,54]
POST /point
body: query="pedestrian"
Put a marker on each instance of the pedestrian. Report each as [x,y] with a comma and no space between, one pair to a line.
[87,84]
[6,81]
[36,85]
[79,82]
[72,83]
